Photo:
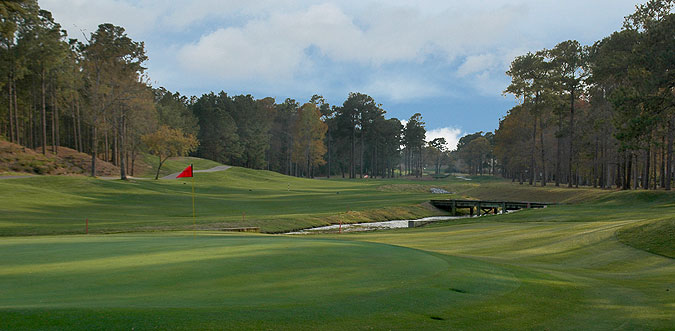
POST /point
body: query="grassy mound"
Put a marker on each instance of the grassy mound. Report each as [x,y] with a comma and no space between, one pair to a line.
[654,236]
[17,159]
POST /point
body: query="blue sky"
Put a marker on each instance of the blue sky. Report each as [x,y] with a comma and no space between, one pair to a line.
[443,59]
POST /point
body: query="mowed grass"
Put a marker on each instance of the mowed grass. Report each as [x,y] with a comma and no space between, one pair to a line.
[599,260]
[275,203]
[570,275]
[236,197]
[485,275]
[219,281]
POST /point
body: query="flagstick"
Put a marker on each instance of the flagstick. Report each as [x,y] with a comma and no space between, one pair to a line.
[194,214]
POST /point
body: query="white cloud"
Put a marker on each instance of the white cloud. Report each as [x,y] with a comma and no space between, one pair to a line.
[293,45]
[450,134]
[274,46]
[476,64]
[83,16]
[399,88]
[271,49]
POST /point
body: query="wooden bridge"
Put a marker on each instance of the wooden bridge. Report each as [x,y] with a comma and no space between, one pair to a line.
[486,206]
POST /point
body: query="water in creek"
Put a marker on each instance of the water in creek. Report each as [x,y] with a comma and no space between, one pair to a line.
[398,224]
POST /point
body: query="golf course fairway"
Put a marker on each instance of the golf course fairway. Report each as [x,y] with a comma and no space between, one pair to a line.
[232,281]
[469,276]
[601,259]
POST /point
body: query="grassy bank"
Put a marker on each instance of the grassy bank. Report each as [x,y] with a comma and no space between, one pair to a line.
[236,197]
[655,236]
[275,203]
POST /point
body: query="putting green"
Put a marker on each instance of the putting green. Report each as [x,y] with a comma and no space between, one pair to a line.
[173,280]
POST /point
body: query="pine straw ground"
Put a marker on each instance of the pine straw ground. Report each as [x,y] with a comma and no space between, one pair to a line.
[17,160]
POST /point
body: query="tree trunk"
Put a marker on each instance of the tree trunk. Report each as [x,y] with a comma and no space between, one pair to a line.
[10,113]
[533,149]
[19,139]
[645,179]
[635,172]
[629,170]
[79,125]
[94,145]
[655,155]
[123,174]
[75,133]
[329,158]
[159,167]
[115,146]
[289,165]
[662,173]
[31,127]
[669,154]
[53,126]
[543,152]
[133,156]
[571,147]
[44,113]
[605,165]
[106,142]
[595,175]
[558,158]
[361,161]
[352,166]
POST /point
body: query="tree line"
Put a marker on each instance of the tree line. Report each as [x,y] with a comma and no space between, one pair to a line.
[314,138]
[601,115]
[90,96]
[95,97]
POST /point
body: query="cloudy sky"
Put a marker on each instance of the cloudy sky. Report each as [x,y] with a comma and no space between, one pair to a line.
[444,59]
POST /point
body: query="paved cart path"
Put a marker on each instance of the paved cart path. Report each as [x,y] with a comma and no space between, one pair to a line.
[214,169]
[172,176]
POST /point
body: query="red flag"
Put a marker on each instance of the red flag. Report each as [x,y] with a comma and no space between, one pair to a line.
[186,173]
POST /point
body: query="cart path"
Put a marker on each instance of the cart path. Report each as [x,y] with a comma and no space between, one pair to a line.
[172,176]
[12,177]
[214,169]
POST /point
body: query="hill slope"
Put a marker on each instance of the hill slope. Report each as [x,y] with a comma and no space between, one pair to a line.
[19,159]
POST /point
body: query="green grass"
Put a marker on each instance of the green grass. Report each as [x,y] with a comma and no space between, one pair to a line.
[601,260]
[169,281]
[655,236]
[536,275]
[570,275]
[275,203]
